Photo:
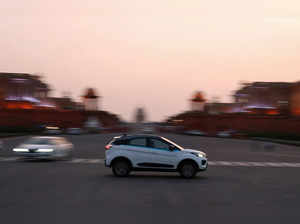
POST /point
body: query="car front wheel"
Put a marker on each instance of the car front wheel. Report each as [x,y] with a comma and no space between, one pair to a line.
[121,168]
[188,170]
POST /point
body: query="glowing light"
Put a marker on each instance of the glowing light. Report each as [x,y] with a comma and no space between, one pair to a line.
[45,150]
[52,128]
[20,150]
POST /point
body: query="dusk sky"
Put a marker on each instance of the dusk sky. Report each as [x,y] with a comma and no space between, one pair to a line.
[151,53]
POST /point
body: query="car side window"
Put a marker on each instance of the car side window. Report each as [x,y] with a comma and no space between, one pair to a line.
[119,142]
[138,142]
[55,142]
[44,142]
[158,144]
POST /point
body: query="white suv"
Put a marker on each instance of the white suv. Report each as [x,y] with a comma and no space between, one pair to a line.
[152,153]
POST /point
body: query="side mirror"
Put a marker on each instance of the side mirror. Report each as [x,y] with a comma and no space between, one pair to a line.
[172,147]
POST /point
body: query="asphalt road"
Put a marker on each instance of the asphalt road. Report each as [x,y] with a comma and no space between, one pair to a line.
[76,192]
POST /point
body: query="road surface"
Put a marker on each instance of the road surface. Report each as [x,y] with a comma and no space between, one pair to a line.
[246,182]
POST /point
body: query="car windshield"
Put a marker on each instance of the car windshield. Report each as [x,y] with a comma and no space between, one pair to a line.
[38,141]
[173,143]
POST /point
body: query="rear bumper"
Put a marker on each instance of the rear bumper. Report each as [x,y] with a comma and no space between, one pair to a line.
[105,164]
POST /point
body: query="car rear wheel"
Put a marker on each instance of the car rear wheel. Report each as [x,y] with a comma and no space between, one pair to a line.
[121,168]
[188,170]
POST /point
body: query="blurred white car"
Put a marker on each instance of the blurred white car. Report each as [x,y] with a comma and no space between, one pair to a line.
[226,134]
[53,130]
[74,131]
[45,148]
[195,132]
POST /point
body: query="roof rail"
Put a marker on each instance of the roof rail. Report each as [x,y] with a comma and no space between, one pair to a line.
[124,135]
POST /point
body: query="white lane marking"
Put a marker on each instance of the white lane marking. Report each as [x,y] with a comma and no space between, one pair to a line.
[256,163]
[243,164]
[92,161]
[291,164]
[95,161]
[221,163]
[273,164]
[78,161]
[210,163]
[253,164]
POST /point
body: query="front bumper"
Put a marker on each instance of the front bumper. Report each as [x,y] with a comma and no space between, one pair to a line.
[35,155]
[203,164]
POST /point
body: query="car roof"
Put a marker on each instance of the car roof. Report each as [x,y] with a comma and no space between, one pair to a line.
[48,137]
[130,136]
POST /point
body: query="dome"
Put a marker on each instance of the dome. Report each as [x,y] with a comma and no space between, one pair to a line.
[198,97]
[90,93]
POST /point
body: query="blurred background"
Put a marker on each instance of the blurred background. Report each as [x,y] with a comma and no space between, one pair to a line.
[202,67]
[258,109]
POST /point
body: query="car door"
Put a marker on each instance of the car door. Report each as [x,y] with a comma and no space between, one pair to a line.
[138,152]
[162,156]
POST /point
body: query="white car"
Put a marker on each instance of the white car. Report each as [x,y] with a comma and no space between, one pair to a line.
[74,131]
[226,134]
[195,132]
[52,130]
[152,153]
[45,148]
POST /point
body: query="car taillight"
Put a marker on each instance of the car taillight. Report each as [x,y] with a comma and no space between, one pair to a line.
[107,147]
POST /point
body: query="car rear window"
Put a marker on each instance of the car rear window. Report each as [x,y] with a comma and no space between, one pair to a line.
[37,141]
[117,141]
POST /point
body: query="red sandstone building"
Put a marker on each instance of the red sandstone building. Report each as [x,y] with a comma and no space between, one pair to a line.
[198,102]
[269,98]
[259,107]
[90,100]
[23,91]
[25,102]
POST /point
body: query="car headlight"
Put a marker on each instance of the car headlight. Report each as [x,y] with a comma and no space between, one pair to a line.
[45,150]
[201,155]
[20,150]
[197,154]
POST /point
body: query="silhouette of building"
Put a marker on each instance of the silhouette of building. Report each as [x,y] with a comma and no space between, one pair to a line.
[221,108]
[295,99]
[271,97]
[65,103]
[23,91]
[198,102]
[90,100]
[140,115]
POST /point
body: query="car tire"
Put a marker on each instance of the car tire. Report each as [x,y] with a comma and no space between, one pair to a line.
[188,170]
[121,168]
